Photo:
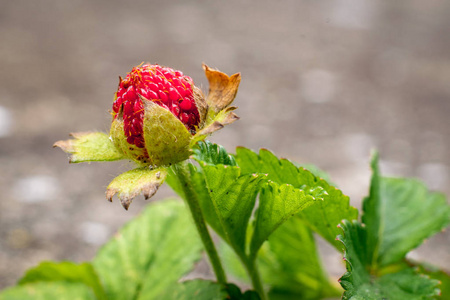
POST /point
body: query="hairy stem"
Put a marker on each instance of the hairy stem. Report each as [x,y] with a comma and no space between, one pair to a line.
[182,172]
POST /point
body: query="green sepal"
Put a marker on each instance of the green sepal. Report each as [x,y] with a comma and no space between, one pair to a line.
[90,146]
[132,183]
[136,154]
[167,140]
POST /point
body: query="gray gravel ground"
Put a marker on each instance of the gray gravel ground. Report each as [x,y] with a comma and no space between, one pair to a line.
[324,82]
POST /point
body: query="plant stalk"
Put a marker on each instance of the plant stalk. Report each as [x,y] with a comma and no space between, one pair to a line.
[182,172]
[252,270]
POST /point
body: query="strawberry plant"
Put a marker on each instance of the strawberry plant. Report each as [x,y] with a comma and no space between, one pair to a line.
[264,210]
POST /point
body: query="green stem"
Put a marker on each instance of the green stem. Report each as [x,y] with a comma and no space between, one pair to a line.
[252,270]
[181,170]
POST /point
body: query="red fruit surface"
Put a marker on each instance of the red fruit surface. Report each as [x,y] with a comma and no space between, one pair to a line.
[167,87]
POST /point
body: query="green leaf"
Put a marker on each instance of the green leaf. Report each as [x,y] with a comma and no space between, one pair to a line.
[65,271]
[233,197]
[407,284]
[354,239]
[316,171]
[323,216]
[173,181]
[290,264]
[437,274]
[212,154]
[234,293]
[277,203]
[150,254]
[132,183]
[360,284]
[250,295]
[400,214]
[48,291]
[195,289]
[90,146]
[372,215]
[209,211]
[412,214]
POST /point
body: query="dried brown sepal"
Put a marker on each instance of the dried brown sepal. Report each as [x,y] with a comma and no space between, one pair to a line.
[211,128]
[201,104]
[219,123]
[222,88]
[227,116]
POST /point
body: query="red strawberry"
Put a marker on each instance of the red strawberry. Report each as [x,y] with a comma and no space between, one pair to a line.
[167,87]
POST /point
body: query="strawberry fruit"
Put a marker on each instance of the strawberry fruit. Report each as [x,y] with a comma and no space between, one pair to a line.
[166,87]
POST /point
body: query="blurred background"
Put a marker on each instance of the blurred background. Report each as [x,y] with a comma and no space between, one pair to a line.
[323,82]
